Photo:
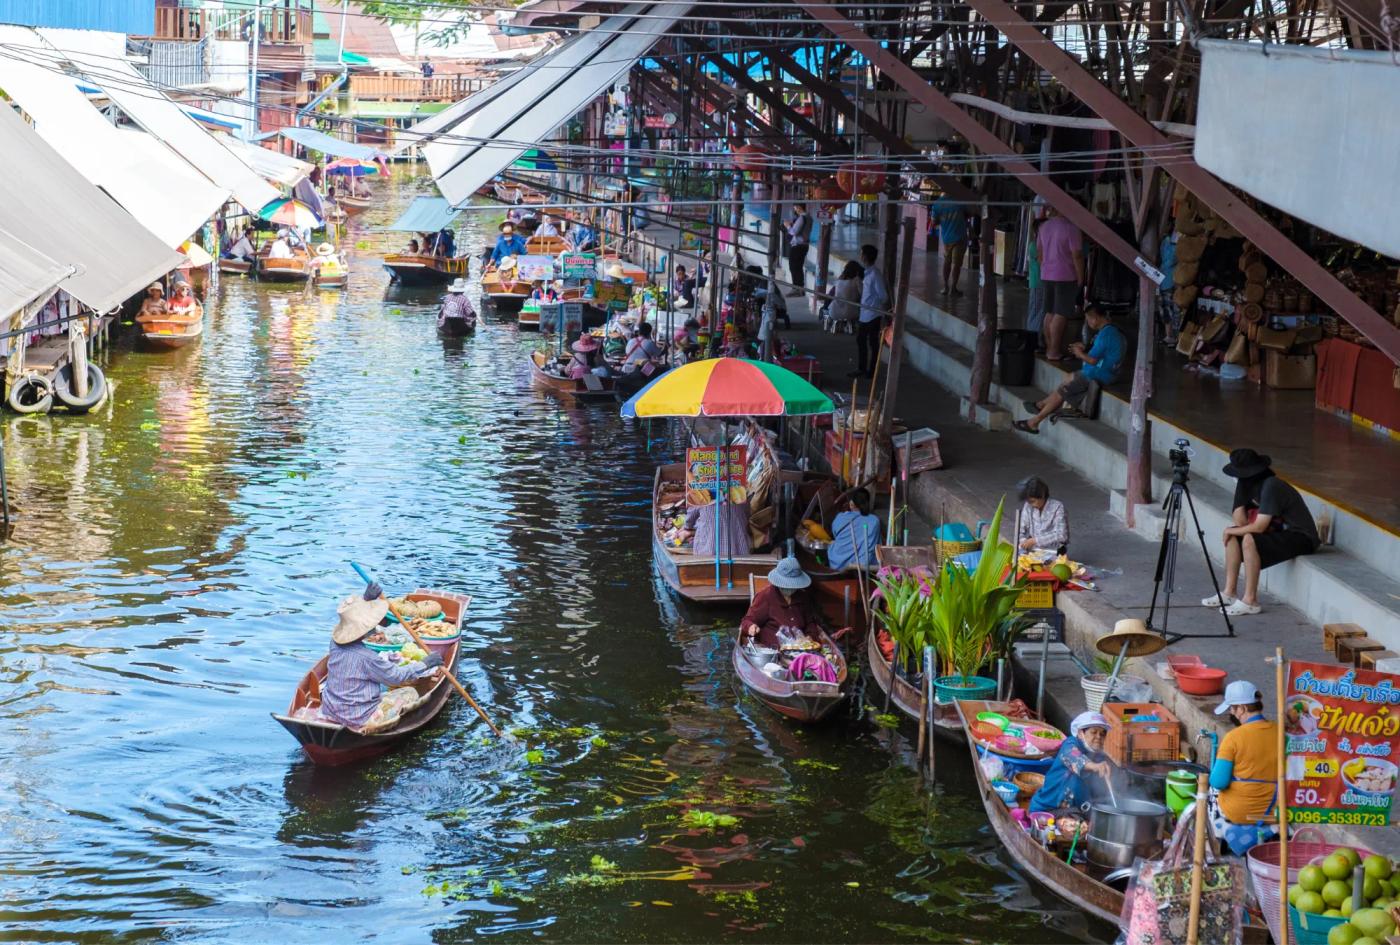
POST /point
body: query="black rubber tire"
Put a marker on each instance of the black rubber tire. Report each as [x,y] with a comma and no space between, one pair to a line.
[31,394]
[63,389]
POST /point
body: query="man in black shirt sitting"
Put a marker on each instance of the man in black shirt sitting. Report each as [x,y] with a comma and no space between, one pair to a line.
[1271,524]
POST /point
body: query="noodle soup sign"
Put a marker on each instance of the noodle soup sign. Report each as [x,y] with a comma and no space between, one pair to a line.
[1342,751]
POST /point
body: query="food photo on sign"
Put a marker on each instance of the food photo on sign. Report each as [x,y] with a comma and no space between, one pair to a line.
[1342,753]
[701,475]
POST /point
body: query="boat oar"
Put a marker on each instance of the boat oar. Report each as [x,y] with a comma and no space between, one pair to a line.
[419,640]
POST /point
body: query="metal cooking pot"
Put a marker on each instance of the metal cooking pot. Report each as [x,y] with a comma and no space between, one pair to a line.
[1110,855]
[1133,823]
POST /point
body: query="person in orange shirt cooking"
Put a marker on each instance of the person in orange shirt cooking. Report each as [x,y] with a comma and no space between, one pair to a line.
[1245,773]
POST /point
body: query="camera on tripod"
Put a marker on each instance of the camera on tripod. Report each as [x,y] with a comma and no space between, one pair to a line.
[1181,460]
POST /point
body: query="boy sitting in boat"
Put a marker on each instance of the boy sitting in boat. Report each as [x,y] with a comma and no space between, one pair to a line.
[351,692]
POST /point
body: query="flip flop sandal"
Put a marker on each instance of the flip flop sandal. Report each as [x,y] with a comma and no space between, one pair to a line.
[1025,427]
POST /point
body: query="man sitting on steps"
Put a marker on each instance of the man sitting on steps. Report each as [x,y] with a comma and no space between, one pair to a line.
[1101,364]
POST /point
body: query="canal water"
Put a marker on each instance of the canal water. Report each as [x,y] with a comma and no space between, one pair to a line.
[175,569]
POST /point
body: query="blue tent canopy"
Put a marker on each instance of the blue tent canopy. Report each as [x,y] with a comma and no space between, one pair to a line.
[426,215]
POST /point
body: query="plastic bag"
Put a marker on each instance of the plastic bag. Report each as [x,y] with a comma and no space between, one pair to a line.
[1157,905]
[992,766]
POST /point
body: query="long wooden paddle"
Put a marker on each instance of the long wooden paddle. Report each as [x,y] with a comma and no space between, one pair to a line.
[419,640]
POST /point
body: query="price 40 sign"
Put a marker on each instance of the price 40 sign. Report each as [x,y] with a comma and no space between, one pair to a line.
[1343,753]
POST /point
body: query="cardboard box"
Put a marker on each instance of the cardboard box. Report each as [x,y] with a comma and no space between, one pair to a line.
[1290,371]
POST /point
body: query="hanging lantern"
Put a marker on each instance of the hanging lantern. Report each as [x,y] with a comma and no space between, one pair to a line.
[861,178]
[830,194]
[750,158]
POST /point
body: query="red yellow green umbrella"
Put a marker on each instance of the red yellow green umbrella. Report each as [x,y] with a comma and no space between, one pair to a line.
[728,387]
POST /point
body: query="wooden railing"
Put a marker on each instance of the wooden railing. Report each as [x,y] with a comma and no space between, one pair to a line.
[192,24]
[406,88]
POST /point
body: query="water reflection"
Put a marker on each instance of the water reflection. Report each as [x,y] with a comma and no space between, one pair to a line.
[174,571]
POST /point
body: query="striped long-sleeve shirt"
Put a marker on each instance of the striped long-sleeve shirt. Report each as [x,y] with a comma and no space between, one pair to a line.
[1048,526]
[354,674]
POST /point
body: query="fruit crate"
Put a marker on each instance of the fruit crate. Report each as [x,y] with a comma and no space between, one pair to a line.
[917,451]
[1132,742]
[1038,595]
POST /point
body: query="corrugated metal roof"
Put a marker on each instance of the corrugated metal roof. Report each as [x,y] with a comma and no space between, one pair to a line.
[56,210]
[137,17]
[543,96]
[154,184]
[149,108]
[426,215]
[25,273]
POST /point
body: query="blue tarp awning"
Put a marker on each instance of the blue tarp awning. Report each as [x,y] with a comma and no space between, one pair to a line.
[320,141]
[426,215]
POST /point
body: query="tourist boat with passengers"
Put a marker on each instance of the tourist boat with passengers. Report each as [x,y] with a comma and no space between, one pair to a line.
[173,329]
[330,743]
[294,268]
[424,269]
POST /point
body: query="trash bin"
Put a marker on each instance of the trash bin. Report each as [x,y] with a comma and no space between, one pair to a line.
[1015,357]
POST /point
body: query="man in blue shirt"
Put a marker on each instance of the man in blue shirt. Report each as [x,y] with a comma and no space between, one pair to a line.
[1102,362]
[952,233]
[854,534]
[874,306]
[509,243]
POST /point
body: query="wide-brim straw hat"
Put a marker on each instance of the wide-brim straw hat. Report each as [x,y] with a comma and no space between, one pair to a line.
[325,249]
[457,287]
[585,344]
[358,617]
[789,575]
[507,262]
[615,271]
[1140,640]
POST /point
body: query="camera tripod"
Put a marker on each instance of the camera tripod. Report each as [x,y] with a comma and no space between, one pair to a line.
[1164,580]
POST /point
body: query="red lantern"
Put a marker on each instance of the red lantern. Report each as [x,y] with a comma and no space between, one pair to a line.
[861,178]
[750,158]
[830,194]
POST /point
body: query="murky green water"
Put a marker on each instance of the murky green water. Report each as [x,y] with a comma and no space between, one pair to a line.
[175,570]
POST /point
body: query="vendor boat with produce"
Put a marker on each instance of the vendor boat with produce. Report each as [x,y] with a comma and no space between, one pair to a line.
[782,653]
[339,714]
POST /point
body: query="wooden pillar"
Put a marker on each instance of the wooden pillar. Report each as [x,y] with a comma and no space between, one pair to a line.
[888,256]
[901,303]
[986,311]
[1138,488]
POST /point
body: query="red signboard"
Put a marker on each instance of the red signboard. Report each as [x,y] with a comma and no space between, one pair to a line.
[654,121]
[1343,753]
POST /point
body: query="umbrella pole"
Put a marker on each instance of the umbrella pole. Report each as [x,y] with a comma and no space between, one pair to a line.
[719,497]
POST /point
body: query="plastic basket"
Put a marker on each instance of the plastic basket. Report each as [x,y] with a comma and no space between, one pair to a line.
[1264,869]
[1038,595]
[1095,688]
[1310,929]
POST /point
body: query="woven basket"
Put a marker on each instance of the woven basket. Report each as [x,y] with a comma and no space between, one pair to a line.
[948,550]
[1254,293]
[1184,296]
[1257,272]
[1185,272]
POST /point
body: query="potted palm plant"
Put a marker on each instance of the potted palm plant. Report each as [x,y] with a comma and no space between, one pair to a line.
[903,604]
[965,611]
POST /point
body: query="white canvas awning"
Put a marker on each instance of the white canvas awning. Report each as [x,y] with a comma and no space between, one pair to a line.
[153,184]
[327,144]
[549,93]
[25,274]
[276,167]
[54,209]
[1255,99]
[152,110]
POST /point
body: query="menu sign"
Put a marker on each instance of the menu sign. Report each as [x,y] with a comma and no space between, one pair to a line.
[606,292]
[701,473]
[1342,751]
[534,268]
[578,265]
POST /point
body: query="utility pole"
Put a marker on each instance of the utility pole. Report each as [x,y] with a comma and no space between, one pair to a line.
[253,72]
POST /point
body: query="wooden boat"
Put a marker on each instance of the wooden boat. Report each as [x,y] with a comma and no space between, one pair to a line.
[238,266]
[529,317]
[329,743]
[172,331]
[906,697]
[506,193]
[545,245]
[353,205]
[803,701]
[531,197]
[693,576]
[508,295]
[456,328]
[332,280]
[422,269]
[295,269]
[589,388]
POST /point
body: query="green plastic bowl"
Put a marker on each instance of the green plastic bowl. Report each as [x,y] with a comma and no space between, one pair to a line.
[994,718]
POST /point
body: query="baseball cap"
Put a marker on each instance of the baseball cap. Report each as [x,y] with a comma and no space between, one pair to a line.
[1238,692]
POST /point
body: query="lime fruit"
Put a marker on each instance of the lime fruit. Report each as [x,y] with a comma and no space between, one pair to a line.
[1371,888]
[1062,572]
[1352,856]
[1294,892]
[1377,866]
[1348,908]
[1312,902]
[1336,866]
[1344,934]
[1334,892]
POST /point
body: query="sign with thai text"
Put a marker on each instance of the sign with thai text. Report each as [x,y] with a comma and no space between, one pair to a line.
[701,474]
[578,265]
[1342,747]
[605,293]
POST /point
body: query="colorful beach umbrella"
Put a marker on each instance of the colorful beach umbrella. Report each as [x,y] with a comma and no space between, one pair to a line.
[350,167]
[728,387]
[285,211]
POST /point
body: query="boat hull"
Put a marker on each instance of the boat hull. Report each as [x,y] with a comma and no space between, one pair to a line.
[905,696]
[417,270]
[327,743]
[331,282]
[295,269]
[566,387]
[354,205]
[236,266]
[805,702]
[170,342]
[456,328]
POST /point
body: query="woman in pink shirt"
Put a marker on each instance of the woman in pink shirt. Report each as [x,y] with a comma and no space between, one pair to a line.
[1061,248]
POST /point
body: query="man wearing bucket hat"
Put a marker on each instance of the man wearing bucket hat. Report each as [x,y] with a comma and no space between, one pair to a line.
[1245,771]
[456,311]
[782,606]
[1270,524]
[1081,770]
[509,243]
[351,692]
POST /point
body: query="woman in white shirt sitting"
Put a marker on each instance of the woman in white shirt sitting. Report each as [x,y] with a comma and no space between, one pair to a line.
[1044,523]
[846,306]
